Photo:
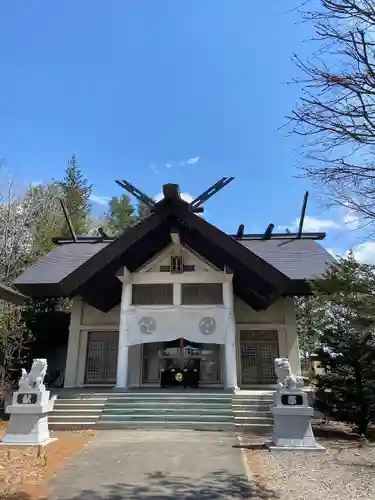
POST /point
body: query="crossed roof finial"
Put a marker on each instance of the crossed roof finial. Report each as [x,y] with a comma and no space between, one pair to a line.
[171,191]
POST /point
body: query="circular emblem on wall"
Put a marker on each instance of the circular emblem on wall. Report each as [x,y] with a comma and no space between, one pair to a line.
[207,325]
[147,325]
[179,377]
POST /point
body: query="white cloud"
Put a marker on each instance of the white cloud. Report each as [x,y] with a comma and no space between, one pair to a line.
[351,219]
[175,163]
[185,196]
[193,161]
[312,225]
[365,253]
[100,200]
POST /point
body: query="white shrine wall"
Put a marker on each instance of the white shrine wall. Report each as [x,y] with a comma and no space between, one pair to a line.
[279,316]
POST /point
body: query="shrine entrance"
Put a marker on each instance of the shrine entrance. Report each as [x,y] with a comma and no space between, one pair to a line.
[204,360]
[258,350]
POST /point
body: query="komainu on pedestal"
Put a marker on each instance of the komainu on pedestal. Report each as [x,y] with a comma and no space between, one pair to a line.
[28,424]
[292,414]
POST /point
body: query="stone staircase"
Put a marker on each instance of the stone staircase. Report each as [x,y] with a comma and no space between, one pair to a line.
[251,410]
[183,409]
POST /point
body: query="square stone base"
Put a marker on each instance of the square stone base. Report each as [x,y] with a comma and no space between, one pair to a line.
[19,443]
[292,429]
[26,429]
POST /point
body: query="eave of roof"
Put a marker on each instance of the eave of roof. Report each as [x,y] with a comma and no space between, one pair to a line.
[10,295]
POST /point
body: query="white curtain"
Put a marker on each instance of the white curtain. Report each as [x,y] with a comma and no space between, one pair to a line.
[206,324]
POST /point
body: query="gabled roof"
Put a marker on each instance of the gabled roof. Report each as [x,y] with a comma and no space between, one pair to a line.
[89,269]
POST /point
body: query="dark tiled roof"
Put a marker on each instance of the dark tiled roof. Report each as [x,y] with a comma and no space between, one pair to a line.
[58,264]
[297,258]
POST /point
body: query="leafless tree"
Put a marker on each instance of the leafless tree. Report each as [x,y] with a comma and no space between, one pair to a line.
[21,213]
[14,340]
[23,219]
[336,112]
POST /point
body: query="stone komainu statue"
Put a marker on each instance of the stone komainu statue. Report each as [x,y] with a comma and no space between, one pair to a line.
[35,378]
[285,377]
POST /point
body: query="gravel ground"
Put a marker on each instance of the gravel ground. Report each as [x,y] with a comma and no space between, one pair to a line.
[345,472]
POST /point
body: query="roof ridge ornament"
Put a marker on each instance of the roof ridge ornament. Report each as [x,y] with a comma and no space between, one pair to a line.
[172,192]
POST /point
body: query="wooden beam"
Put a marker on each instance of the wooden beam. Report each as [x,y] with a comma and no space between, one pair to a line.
[175,237]
[303,213]
[268,231]
[240,231]
[68,220]
[171,191]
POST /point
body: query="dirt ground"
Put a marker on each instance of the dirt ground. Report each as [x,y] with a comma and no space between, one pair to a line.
[26,471]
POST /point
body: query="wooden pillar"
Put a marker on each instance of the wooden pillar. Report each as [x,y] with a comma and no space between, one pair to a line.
[230,340]
[71,366]
[123,349]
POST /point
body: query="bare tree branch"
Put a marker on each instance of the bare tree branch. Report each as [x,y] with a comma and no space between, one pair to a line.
[336,111]
[19,216]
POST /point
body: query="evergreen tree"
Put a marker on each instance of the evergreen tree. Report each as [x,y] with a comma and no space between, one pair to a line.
[308,314]
[346,391]
[76,191]
[121,214]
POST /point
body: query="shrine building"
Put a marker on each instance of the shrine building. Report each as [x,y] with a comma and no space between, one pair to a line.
[175,300]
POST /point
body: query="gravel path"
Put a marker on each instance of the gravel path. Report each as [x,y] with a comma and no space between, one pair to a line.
[344,472]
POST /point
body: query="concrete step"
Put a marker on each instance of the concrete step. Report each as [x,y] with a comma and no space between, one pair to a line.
[214,411]
[86,411]
[240,413]
[155,395]
[69,424]
[246,400]
[79,403]
[156,424]
[174,404]
[165,417]
[71,416]
[253,420]
[91,401]
[169,400]
[251,406]
[168,411]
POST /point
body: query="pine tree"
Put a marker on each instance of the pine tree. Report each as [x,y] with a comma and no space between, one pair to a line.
[76,191]
[346,391]
[121,214]
[308,313]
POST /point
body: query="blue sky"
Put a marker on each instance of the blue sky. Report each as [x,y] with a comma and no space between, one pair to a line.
[161,91]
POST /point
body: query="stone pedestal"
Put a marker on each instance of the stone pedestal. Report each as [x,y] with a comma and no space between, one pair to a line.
[292,422]
[28,424]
